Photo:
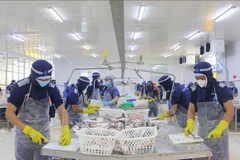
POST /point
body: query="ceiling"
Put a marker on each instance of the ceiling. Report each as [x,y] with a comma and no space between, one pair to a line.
[164,24]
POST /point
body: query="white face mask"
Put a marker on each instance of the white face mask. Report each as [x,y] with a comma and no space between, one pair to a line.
[201,83]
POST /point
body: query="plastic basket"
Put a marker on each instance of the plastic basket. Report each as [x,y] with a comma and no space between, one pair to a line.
[140,104]
[111,113]
[97,141]
[137,114]
[138,140]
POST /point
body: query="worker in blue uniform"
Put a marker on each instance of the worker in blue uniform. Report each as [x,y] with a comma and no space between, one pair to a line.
[212,101]
[142,90]
[28,109]
[233,89]
[10,87]
[111,94]
[180,100]
[75,102]
[152,96]
[93,91]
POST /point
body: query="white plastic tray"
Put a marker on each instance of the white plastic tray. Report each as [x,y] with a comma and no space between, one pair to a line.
[181,138]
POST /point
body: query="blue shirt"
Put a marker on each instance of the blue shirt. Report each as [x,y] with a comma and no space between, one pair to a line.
[113,91]
[22,88]
[180,95]
[208,94]
[89,91]
[73,97]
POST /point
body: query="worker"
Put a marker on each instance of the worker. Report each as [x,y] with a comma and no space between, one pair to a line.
[75,102]
[28,110]
[111,94]
[152,96]
[143,90]
[52,108]
[179,100]
[101,88]
[234,89]
[10,87]
[212,101]
[93,91]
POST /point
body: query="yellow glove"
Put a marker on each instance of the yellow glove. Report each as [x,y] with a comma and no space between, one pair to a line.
[150,101]
[217,132]
[65,139]
[88,111]
[163,116]
[190,126]
[35,136]
[94,106]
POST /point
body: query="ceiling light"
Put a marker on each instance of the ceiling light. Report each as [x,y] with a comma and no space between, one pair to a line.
[225,13]
[87,47]
[194,35]
[75,36]
[141,12]
[176,47]
[167,55]
[57,55]
[55,14]
[94,55]
[135,35]
[133,47]
[17,37]
[41,48]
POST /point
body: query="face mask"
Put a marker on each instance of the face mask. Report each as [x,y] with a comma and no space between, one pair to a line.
[43,83]
[107,84]
[201,83]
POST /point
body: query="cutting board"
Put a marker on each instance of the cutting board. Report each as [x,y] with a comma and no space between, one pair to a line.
[181,138]
[74,146]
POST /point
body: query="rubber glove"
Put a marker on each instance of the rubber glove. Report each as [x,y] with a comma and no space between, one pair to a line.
[35,136]
[217,132]
[108,103]
[65,139]
[88,111]
[190,126]
[94,106]
[150,101]
[163,116]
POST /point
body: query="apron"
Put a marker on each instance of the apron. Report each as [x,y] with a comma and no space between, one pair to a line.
[153,112]
[108,97]
[209,116]
[74,117]
[35,114]
[96,96]
[181,116]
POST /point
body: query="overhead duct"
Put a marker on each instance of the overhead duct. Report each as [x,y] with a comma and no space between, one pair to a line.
[117,9]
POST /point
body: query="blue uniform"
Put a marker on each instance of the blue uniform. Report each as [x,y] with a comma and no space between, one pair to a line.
[22,88]
[110,94]
[207,95]
[73,97]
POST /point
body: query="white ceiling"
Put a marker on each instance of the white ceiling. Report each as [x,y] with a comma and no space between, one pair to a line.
[164,24]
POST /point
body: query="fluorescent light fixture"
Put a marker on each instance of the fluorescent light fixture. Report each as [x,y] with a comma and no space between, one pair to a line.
[167,55]
[194,35]
[86,47]
[225,13]
[41,48]
[17,37]
[55,14]
[75,36]
[135,35]
[94,55]
[141,12]
[176,47]
[57,55]
[133,47]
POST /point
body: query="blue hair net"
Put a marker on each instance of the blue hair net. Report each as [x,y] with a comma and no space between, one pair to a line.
[82,83]
[204,68]
[166,82]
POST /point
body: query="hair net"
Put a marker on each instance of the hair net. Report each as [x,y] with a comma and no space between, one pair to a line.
[82,83]
[111,80]
[53,81]
[204,69]
[166,82]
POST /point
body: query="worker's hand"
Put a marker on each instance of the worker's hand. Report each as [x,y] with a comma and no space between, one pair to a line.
[150,101]
[190,126]
[108,103]
[94,106]
[163,116]
[35,136]
[65,139]
[88,111]
[217,132]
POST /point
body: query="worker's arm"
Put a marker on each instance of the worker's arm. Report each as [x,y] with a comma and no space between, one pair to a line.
[76,108]
[173,110]
[10,115]
[236,94]
[85,98]
[228,116]
[115,100]
[191,111]
[63,115]
[155,98]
